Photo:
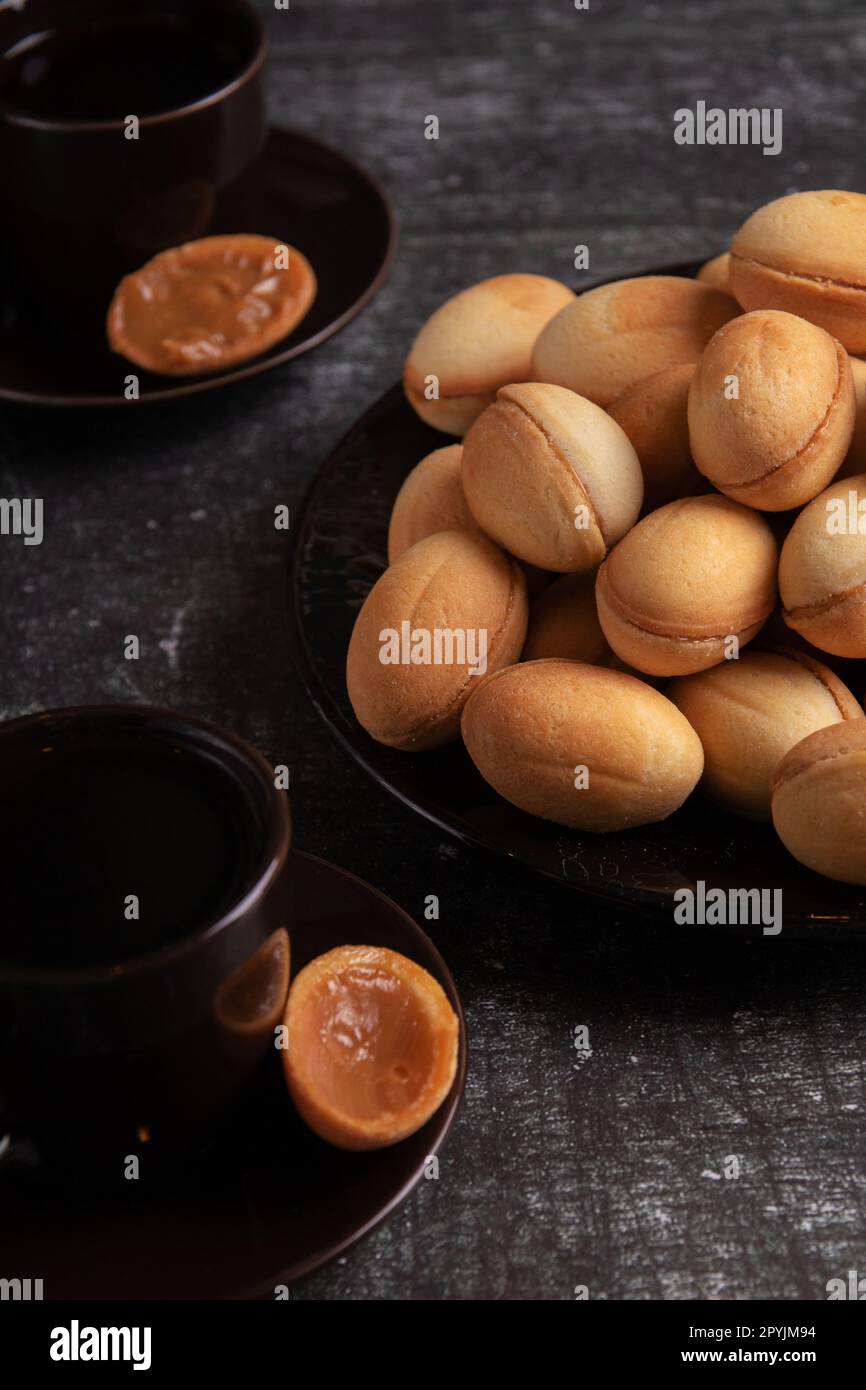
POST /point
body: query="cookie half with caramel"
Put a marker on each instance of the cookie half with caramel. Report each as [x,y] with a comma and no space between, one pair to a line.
[210,304]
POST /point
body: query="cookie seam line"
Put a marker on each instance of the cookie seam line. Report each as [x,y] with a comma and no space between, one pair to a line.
[430,720]
[814,610]
[795,458]
[794,773]
[800,274]
[809,664]
[616,603]
[566,462]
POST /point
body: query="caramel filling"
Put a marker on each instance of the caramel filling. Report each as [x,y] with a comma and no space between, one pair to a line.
[205,305]
[368,1046]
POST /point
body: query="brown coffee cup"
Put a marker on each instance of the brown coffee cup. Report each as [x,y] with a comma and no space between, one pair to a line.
[127,1033]
[93,187]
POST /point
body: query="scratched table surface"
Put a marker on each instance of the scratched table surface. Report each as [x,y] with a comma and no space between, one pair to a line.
[605,1166]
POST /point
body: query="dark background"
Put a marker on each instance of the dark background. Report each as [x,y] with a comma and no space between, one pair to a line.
[556,128]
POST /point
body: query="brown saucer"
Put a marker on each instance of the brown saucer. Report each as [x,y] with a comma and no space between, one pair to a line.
[266,1202]
[300,191]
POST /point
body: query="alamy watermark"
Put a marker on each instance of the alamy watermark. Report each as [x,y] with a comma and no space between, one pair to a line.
[854,1287]
[437,646]
[720,907]
[738,125]
[22,516]
[846,516]
[21,1290]
[77,1343]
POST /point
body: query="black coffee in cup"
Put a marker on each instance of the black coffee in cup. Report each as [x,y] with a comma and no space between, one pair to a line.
[116,846]
[143,862]
[118,66]
[90,195]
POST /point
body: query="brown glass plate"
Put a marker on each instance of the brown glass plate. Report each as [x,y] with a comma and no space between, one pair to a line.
[340,551]
[266,1202]
[300,191]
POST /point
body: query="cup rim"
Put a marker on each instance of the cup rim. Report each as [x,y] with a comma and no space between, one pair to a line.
[60,125]
[274,851]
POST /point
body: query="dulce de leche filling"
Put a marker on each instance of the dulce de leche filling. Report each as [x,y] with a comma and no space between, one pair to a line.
[210,304]
[368,1045]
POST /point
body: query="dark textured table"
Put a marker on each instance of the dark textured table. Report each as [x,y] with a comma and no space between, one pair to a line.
[565,1169]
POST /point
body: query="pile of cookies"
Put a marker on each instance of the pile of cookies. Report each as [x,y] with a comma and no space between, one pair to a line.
[652,475]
